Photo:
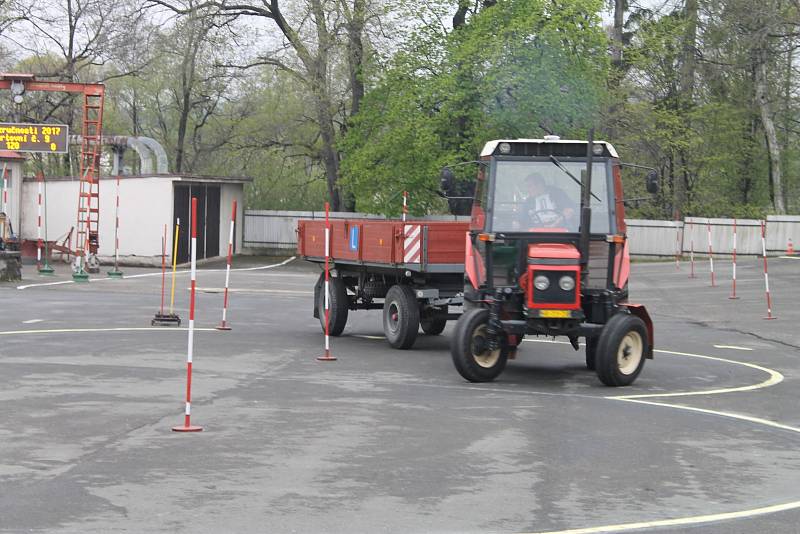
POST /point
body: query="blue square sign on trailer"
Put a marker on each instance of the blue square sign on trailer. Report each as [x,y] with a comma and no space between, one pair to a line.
[354,238]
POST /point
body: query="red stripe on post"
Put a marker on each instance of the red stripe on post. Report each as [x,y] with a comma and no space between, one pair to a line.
[194,216]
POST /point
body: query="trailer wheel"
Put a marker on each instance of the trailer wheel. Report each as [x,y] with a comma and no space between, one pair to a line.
[401,317]
[591,353]
[621,350]
[470,354]
[432,322]
[338,305]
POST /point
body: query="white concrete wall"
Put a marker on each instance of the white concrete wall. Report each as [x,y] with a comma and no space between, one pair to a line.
[145,207]
[227,194]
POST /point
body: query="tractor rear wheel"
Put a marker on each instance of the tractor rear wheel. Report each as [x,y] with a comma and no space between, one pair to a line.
[401,317]
[469,348]
[338,305]
[621,350]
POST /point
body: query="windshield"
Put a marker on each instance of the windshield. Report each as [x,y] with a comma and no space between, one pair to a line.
[539,196]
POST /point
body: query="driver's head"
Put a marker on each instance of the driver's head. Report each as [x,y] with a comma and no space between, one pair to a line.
[535,183]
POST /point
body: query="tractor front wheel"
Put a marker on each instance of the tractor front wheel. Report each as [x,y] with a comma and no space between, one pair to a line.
[470,348]
[621,350]
[400,317]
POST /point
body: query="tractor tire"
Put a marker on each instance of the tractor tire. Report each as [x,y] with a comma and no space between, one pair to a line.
[401,317]
[621,350]
[472,359]
[591,353]
[338,303]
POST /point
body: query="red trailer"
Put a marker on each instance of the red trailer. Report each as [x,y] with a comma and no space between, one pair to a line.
[413,270]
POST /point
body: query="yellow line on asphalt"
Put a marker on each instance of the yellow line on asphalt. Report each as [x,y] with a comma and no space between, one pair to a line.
[120,329]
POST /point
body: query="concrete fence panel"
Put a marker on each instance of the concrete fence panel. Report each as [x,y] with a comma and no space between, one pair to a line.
[780,229]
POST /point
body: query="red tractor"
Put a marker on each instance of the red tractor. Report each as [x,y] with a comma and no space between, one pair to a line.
[547,254]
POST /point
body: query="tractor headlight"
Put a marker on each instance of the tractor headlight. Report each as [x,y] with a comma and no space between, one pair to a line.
[505,148]
[567,283]
[541,282]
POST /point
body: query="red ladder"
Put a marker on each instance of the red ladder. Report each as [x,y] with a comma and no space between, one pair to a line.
[87,235]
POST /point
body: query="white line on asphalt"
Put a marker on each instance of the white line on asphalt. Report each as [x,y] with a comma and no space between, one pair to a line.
[734,347]
[245,290]
[31,321]
[120,329]
[691,520]
[145,275]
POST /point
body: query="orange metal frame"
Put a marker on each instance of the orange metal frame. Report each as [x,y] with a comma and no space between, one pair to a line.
[87,237]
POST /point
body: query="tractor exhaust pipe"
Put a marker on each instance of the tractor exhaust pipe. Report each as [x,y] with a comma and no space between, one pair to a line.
[586,210]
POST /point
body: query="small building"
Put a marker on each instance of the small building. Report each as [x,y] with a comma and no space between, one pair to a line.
[11,166]
[147,204]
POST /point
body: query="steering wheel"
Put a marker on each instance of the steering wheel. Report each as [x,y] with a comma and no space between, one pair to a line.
[535,216]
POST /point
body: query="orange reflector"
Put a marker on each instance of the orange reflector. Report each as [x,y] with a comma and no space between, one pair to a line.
[486,237]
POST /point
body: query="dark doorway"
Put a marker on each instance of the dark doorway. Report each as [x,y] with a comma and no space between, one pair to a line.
[208,198]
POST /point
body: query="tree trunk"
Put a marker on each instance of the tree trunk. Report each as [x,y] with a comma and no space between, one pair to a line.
[355,56]
[616,35]
[773,147]
[686,99]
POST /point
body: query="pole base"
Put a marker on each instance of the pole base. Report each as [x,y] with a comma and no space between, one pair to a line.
[80,276]
[769,317]
[223,326]
[190,428]
[166,319]
[732,297]
[326,358]
[46,270]
[114,274]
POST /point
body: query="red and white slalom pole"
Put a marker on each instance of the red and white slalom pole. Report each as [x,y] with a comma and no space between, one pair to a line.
[163,267]
[187,417]
[691,250]
[40,180]
[327,357]
[405,205]
[678,246]
[733,290]
[766,274]
[115,272]
[223,325]
[710,253]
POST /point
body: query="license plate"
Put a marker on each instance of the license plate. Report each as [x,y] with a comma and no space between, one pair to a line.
[555,314]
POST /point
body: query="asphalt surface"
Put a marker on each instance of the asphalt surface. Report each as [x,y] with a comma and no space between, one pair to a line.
[390,441]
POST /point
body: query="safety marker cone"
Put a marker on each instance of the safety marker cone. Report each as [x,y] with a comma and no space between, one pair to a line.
[691,250]
[223,325]
[327,357]
[790,248]
[710,253]
[766,275]
[161,318]
[115,272]
[733,291]
[187,416]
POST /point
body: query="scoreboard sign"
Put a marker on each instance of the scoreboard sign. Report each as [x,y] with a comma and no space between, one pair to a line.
[20,137]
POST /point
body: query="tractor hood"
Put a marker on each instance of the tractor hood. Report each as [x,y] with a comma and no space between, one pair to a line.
[554,251]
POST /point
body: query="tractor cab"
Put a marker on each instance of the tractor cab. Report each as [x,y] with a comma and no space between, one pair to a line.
[547,254]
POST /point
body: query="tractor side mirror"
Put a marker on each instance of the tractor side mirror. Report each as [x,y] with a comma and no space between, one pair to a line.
[447,181]
[652,182]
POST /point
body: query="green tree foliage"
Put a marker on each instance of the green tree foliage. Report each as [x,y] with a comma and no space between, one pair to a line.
[517,68]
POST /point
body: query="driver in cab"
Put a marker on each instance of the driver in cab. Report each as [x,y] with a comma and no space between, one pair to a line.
[546,205]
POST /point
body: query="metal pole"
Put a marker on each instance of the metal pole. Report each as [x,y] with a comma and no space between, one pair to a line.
[691,249]
[766,275]
[710,253]
[174,266]
[223,325]
[39,223]
[115,273]
[733,293]
[327,357]
[187,423]
[45,270]
[405,205]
